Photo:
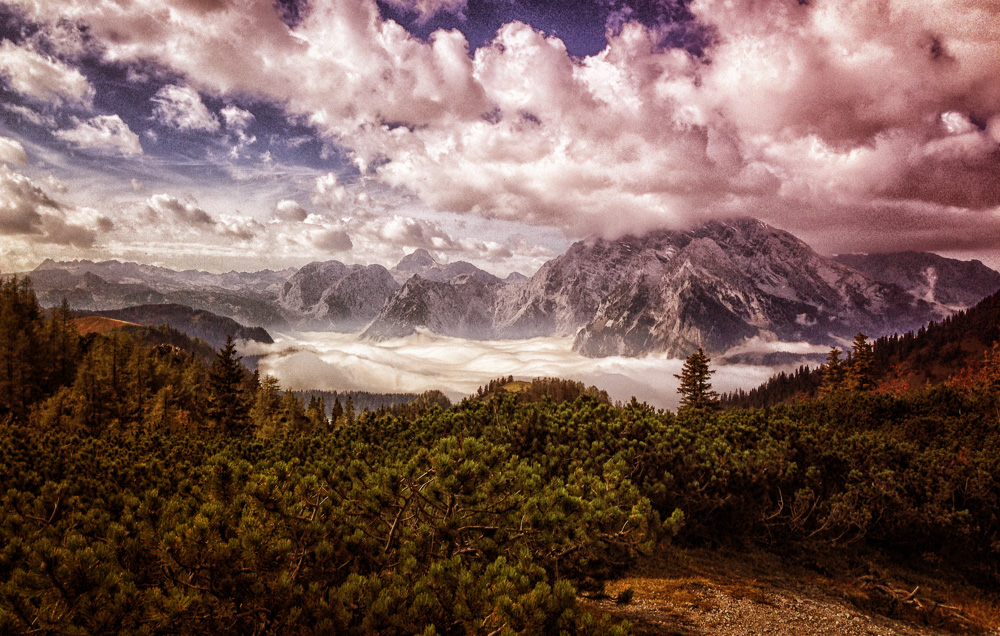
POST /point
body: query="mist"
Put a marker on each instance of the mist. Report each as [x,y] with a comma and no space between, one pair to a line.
[457,367]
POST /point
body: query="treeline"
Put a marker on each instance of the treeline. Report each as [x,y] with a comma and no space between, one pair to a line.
[949,349]
[360,400]
[555,389]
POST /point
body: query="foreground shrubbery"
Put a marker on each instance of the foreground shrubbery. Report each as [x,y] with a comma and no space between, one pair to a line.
[139,533]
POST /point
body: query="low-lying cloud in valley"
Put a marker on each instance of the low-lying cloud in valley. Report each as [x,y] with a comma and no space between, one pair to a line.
[426,361]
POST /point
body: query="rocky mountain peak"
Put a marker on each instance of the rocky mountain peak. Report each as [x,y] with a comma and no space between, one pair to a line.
[416,261]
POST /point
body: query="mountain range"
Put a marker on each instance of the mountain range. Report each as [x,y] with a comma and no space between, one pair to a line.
[666,291]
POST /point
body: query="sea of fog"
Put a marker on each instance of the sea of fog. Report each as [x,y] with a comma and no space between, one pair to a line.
[424,361]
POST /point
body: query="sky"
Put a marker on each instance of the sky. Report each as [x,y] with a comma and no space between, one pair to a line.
[252,134]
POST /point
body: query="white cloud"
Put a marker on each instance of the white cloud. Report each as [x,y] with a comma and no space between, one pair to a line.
[801,113]
[332,240]
[36,118]
[413,233]
[189,214]
[43,78]
[26,210]
[288,210]
[181,107]
[12,152]
[241,228]
[21,203]
[328,192]
[104,133]
[427,361]
[236,118]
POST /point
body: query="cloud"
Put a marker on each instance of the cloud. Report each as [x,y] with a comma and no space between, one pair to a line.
[287,210]
[36,118]
[426,361]
[241,228]
[413,233]
[43,78]
[800,113]
[21,203]
[181,107]
[236,118]
[164,205]
[60,232]
[104,133]
[12,152]
[332,240]
[26,210]
[328,191]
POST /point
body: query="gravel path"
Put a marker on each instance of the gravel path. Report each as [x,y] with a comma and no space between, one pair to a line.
[726,596]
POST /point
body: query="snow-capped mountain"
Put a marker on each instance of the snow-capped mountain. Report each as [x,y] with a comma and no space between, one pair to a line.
[248,297]
[662,292]
[669,292]
[723,282]
[946,281]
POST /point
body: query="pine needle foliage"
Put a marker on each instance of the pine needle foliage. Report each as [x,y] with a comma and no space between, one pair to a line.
[696,386]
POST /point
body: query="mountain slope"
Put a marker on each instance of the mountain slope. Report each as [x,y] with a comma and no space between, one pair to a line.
[462,308]
[331,295]
[936,279]
[930,355]
[421,263]
[723,282]
[211,328]
[670,292]
[245,297]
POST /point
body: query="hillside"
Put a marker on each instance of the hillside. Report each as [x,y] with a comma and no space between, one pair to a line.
[99,324]
[933,354]
[197,323]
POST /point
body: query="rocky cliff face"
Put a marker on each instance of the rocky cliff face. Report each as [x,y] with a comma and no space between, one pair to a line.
[331,295]
[463,307]
[723,282]
[949,282]
[661,292]
[668,292]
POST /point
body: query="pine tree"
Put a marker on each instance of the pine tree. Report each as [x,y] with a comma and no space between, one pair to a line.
[832,373]
[349,411]
[228,404]
[696,388]
[860,375]
[264,414]
[316,413]
[337,413]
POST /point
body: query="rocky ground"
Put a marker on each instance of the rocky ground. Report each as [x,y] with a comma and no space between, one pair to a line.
[694,593]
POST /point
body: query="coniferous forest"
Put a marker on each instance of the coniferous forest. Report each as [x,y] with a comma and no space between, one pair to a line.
[146,490]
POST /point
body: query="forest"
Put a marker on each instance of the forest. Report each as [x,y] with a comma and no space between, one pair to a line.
[146,490]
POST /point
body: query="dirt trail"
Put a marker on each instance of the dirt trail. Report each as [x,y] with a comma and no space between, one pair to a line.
[706,593]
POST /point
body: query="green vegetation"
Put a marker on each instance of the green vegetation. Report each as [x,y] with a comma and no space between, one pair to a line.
[145,492]
[696,384]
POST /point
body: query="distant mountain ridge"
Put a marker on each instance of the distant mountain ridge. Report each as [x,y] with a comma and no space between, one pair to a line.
[87,285]
[952,283]
[670,292]
[941,351]
[211,328]
[664,292]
